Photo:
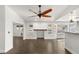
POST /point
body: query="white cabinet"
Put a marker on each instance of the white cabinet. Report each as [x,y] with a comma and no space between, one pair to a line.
[72,42]
[40,34]
[51,32]
[73,27]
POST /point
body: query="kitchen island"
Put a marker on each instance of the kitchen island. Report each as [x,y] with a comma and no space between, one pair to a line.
[72,42]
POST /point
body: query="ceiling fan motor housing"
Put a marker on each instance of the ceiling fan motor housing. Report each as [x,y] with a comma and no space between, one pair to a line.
[39,5]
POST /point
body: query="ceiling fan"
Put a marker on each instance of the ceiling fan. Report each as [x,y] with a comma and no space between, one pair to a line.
[40,13]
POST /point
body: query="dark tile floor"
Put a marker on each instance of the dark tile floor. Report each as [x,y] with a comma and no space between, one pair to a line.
[39,46]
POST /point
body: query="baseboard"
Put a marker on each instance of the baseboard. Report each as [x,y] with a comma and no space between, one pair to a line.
[40,38]
[60,38]
[70,50]
[6,50]
[29,39]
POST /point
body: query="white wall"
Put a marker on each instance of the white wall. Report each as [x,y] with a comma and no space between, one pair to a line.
[2,29]
[10,18]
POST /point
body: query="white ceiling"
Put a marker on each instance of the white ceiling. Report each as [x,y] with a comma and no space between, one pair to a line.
[58,10]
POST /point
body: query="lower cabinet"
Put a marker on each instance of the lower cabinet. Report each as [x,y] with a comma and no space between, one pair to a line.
[72,42]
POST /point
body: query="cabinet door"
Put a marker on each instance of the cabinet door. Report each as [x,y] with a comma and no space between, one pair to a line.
[75,43]
[40,34]
[67,41]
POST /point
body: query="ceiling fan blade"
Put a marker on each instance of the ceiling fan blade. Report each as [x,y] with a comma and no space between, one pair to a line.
[47,11]
[30,16]
[46,16]
[32,11]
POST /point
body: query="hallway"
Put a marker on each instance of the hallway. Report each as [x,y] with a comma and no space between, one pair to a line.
[39,46]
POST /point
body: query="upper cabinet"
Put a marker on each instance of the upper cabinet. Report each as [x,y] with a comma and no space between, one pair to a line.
[73,23]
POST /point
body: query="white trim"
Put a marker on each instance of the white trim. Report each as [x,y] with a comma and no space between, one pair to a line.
[70,50]
[29,39]
[6,50]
